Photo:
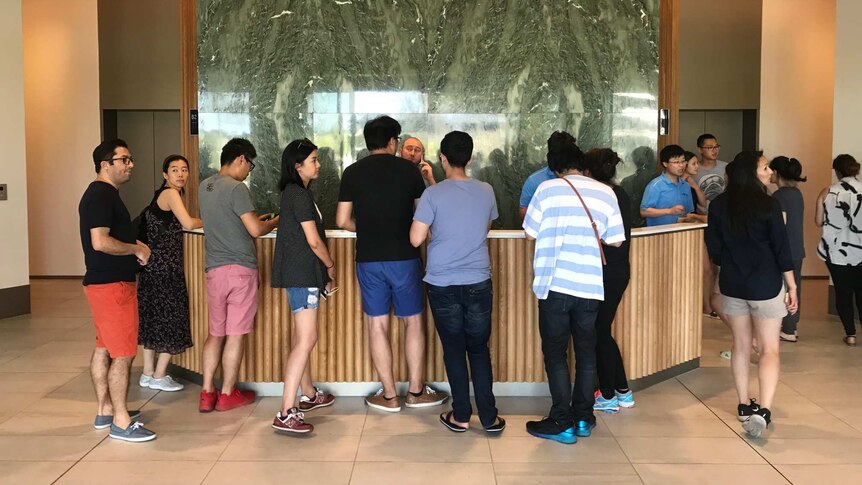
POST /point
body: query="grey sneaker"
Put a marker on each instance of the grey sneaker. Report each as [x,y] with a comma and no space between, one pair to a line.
[144,381]
[103,422]
[166,383]
[135,433]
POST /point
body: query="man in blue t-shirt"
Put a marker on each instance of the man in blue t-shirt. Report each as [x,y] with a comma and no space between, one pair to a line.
[667,197]
[532,183]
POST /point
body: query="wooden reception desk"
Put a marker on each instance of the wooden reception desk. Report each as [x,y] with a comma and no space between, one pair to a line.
[658,325]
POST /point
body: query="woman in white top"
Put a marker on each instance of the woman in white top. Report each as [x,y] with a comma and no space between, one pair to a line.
[839,213]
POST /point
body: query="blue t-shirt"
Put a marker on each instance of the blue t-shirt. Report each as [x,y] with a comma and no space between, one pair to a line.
[458,212]
[661,193]
[532,183]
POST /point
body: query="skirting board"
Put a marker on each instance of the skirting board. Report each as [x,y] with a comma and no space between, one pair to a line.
[14,301]
[501,389]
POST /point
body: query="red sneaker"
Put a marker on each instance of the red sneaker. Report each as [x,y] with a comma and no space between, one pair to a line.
[236,399]
[292,423]
[319,400]
[208,401]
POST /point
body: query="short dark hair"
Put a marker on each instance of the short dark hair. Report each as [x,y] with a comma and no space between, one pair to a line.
[379,131]
[670,151]
[167,163]
[702,138]
[787,168]
[237,147]
[602,164]
[295,152]
[845,166]
[105,151]
[563,153]
[457,146]
[688,155]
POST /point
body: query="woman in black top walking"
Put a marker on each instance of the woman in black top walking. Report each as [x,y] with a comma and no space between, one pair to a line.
[303,266]
[786,174]
[614,392]
[747,239]
[163,299]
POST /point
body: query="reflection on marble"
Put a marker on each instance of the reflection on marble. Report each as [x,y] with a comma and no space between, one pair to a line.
[509,72]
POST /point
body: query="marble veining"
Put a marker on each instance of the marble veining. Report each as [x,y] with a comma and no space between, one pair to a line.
[509,72]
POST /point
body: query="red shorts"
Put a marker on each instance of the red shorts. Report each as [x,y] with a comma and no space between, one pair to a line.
[231,299]
[115,315]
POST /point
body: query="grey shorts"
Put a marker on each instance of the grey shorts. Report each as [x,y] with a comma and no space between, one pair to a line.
[772,308]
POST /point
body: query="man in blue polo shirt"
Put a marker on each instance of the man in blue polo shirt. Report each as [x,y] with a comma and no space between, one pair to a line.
[568,283]
[536,178]
[667,197]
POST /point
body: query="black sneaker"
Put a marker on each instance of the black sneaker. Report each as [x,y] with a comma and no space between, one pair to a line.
[758,422]
[551,430]
[745,411]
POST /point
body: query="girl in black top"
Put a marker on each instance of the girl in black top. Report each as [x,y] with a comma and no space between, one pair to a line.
[163,301]
[303,266]
[786,174]
[747,239]
[614,392]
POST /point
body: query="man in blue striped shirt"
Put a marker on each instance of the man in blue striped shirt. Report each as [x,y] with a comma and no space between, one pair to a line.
[567,267]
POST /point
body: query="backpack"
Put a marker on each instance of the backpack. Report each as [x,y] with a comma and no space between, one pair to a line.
[140,225]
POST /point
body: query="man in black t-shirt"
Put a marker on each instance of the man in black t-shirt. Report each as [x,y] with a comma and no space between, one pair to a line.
[376,199]
[112,254]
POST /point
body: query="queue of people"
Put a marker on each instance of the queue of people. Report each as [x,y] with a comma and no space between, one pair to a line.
[581,221]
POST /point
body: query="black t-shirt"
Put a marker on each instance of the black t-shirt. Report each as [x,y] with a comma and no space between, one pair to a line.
[383,189]
[101,206]
[618,258]
[295,265]
[790,199]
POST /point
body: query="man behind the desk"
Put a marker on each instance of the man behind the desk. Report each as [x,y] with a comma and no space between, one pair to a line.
[112,255]
[667,198]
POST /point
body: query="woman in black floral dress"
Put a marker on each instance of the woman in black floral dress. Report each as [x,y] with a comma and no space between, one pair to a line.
[163,301]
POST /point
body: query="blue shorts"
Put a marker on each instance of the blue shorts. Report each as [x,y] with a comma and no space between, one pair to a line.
[303,298]
[391,283]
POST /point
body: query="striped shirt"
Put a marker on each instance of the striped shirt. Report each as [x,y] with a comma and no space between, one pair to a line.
[841,243]
[567,257]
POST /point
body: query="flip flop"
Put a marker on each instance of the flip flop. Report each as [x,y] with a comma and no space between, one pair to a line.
[850,340]
[790,338]
[446,419]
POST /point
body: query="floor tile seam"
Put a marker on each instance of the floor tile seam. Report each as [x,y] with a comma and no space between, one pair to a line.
[207,474]
[750,445]
[79,460]
[827,411]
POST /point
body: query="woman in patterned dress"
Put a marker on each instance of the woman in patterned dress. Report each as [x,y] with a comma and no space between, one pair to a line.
[163,301]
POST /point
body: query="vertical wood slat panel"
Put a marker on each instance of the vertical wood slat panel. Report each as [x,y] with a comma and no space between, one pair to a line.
[657,326]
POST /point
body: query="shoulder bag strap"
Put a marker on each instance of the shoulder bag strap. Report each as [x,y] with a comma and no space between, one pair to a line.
[592,222]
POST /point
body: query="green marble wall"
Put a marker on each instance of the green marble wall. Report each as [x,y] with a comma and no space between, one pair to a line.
[509,72]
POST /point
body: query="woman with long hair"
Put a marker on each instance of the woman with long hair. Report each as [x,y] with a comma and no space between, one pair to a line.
[614,393]
[163,299]
[747,239]
[787,174]
[303,266]
[839,213]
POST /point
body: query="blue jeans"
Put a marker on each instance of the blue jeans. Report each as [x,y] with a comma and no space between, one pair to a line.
[562,318]
[462,315]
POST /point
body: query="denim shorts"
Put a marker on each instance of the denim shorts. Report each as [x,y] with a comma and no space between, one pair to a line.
[386,284]
[303,298]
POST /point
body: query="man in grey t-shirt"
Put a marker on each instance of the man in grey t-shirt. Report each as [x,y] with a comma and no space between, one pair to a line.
[712,181]
[231,266]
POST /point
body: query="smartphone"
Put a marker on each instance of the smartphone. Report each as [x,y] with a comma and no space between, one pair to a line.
[326,294]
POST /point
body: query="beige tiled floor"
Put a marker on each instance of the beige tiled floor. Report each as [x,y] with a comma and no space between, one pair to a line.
[681,431]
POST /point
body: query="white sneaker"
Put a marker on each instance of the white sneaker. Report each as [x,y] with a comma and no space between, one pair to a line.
[166,383]
[145,380]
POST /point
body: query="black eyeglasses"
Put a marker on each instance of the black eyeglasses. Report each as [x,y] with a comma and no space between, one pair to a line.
[125,160]
[250,163]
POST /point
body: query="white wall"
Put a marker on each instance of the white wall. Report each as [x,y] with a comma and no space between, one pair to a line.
[848,80]
[13,212]
[796,97]
[61,85]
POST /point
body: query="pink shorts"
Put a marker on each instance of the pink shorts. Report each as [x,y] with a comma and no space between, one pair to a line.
[231,299]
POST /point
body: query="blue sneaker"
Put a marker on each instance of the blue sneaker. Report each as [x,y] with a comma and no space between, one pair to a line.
[103,422]
[584,428]
[626,399]
[611,405]
[550,430]
[135,433]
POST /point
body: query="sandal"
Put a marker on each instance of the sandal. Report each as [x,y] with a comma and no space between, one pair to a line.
[446,419]
[850,340]
[787,337]
[498,426]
